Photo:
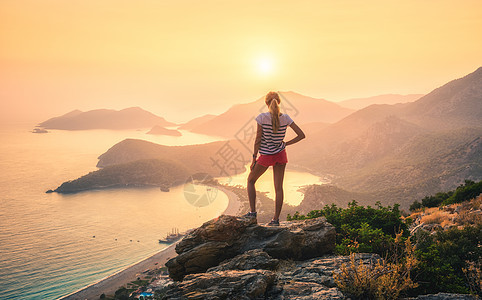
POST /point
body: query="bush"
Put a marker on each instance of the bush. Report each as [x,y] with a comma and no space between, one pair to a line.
[473,274]
[415,206]
[122,294]
[359,228]
[382,280]
[464,192]
[467,191]
[442,258]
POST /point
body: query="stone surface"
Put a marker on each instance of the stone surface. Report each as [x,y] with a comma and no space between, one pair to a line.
[232,284]
[445,296]
[302,280]
[228,236]
[252,259]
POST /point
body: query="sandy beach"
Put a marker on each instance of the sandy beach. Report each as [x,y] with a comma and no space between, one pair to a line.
[113,282]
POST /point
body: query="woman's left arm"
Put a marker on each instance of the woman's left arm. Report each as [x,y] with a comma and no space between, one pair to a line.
[298,131]
[257,143]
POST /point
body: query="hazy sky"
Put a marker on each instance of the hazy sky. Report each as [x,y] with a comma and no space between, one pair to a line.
[181,59]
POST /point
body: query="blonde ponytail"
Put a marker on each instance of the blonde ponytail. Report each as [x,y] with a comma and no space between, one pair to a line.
[273,101]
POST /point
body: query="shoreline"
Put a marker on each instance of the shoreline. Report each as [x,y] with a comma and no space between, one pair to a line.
[108,285]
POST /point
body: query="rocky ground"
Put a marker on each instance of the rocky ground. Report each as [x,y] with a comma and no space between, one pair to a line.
[235,258]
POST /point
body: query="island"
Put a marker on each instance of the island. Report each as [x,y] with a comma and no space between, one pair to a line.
[129,118]
[159,130]
[140,173]
[39,130]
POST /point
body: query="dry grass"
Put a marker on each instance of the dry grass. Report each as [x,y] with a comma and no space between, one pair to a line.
[438,217]
[467,217]
[379,281]
[473,275]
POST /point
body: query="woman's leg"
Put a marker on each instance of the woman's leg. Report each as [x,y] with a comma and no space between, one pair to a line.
[255,173]
[278,174]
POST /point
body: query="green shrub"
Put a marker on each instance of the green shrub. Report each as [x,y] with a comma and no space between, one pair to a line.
[359,228]
[442,258]
[466,191]
[122,294]
[415,206]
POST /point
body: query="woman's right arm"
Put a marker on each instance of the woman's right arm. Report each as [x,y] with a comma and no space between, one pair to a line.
[298,131]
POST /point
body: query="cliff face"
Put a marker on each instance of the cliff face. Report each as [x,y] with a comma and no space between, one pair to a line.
[235,258]
[228,236]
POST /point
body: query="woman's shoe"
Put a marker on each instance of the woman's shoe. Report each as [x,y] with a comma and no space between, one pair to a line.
[273,223]
[251,215]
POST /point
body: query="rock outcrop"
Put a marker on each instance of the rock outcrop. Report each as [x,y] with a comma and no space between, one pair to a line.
[235,258]
[445,296]
[249,284]
[303,280]
[227,237]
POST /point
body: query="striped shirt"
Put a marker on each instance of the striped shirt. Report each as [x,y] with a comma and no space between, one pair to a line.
[271,142]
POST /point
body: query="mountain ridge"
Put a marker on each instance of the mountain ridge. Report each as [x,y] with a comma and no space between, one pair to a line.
[359,103]
[301,108]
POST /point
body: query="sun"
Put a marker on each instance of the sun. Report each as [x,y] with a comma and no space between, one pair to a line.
[265,66]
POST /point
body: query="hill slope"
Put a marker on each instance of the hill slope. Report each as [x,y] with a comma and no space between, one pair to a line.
[359,103]
[405,149]
[203,158]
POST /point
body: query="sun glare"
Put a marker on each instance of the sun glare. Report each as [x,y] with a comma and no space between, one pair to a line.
[265,66]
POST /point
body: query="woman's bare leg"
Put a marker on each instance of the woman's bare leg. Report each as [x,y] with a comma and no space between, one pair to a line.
[255,173]
[278,175]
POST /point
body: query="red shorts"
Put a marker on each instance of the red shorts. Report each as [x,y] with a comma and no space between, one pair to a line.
[270,160]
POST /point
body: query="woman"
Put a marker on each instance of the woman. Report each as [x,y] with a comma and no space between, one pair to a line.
[271,147]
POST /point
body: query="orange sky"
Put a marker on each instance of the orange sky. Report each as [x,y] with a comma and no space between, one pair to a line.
[181,59]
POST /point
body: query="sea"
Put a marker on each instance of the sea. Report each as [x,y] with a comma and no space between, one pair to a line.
[52,245]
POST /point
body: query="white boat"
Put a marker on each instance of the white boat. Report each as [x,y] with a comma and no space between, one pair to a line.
[171,237]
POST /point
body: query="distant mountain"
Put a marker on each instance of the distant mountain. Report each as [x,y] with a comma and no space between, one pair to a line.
[196,122]
[159,130]
[301,108]
[129,118]
[359,103]
[457,104]
[453,105]
[403,150]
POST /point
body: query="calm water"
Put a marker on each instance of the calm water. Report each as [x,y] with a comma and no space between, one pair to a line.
[47,244]
[292,182]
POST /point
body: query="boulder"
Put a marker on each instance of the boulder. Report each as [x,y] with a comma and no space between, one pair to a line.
[313,278]
[301,280]
[445,296]
[252,259]
[227,236]
[232,284]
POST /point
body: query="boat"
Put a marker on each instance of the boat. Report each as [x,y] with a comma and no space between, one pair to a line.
[173,236]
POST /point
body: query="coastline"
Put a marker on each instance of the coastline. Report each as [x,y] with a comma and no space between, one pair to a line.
[234,203]
[110,284]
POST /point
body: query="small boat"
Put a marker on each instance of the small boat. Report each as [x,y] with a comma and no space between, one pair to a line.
[164,188]
[171,237]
